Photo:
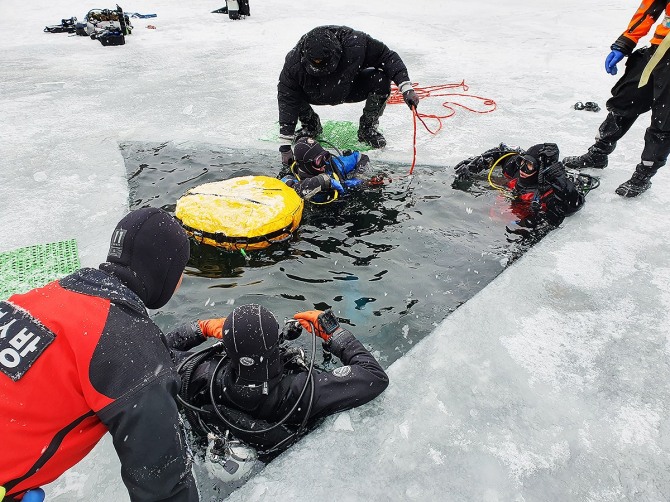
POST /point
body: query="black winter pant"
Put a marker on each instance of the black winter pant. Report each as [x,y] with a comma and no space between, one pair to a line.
[629,102]
[369,81]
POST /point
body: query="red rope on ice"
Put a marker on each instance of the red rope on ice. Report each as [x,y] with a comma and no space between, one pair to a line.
[437,91]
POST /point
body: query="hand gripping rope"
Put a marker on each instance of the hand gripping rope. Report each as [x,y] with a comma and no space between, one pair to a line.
[437,91]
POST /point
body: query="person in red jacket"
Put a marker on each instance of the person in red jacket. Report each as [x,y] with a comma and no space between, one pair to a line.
[537,182]
[80,357]
[629,101]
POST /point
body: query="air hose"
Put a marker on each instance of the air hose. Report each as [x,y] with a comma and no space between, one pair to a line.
[501,189]
[193,413]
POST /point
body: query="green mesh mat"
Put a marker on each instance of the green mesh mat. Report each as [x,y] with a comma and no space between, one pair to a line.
[336,133]
[342,135]
[27,268]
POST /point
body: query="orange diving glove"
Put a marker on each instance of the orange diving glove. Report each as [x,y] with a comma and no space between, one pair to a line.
[324,323]
[212,327]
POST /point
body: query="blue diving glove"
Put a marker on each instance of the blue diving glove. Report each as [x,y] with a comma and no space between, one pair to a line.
[336,185]
[612,60]
[34,495]
[351,183]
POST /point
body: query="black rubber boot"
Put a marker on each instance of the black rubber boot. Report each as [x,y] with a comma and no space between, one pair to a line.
[367,127]
[638,183]
[310,122]
[610,131]
[593,158]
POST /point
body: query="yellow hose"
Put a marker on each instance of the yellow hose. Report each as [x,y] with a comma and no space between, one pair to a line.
[502,189]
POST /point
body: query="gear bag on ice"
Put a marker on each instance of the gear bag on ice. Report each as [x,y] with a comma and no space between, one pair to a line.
[109,26]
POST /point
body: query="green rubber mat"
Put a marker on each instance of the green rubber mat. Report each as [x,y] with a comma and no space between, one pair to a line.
[26,268]
[338,134]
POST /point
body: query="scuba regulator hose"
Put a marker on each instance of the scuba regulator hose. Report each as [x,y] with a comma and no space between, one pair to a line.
[194,359]
[500,188]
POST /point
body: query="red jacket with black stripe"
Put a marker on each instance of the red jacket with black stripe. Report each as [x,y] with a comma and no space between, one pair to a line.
[80,357]
[641,23]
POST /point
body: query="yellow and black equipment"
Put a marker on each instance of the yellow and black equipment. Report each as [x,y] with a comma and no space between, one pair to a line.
[245,213]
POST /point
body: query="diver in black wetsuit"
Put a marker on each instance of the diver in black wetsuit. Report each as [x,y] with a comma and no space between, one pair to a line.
[261,390]
[537,181]
[317,175]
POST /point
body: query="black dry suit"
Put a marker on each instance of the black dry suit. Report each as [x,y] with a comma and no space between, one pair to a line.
[534,176]
[343,54]
[262,404]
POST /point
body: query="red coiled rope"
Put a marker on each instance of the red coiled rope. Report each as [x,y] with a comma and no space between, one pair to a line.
[435,91]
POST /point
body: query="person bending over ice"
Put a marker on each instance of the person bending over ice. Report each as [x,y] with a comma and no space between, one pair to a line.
[332,65]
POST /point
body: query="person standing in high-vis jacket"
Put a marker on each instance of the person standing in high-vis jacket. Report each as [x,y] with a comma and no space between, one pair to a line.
[80,357]
[644,86]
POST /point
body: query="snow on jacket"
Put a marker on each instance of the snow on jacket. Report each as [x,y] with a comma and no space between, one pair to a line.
[358,51]
[360,380]
[80,357]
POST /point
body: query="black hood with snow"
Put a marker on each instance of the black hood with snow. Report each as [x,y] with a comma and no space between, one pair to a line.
[321,51]
[251,338]
[148,252]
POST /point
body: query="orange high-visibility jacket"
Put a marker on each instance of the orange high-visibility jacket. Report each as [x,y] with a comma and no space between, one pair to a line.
[642,21]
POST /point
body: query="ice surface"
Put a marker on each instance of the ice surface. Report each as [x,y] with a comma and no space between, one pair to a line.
[550,384]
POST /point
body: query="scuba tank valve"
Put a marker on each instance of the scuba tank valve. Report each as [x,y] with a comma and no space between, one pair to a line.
[228,459]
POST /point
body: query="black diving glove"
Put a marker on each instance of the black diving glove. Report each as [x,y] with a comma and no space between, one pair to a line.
[462,169]
[309,187]
[554,173]
[555,213]
[411,98]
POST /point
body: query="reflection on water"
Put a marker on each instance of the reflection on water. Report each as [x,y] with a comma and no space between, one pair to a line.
[392,261]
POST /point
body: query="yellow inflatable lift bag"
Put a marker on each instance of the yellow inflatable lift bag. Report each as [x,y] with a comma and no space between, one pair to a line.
[246,213]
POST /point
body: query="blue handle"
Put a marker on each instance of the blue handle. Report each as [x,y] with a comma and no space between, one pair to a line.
[34,495]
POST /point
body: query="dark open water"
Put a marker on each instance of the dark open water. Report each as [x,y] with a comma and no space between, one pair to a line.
[391,261]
